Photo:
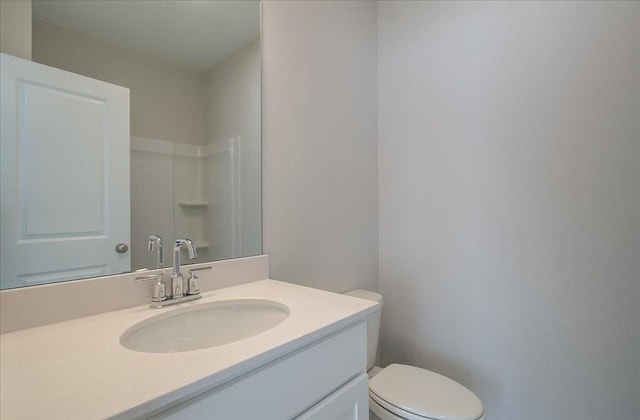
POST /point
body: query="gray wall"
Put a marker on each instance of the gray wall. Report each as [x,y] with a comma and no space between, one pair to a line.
[233,109]
[167,101]
[320,143]
[510,201]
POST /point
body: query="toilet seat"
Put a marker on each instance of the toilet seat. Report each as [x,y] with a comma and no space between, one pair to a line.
[418,394]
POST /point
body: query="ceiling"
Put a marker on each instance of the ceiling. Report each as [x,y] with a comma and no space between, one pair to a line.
[196,34]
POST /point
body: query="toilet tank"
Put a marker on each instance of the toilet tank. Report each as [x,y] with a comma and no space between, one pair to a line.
[373,323]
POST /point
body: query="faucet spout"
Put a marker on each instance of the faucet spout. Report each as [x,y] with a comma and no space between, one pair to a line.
[187,243]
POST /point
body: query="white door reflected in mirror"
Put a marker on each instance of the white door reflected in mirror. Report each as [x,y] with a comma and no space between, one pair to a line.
[65,203]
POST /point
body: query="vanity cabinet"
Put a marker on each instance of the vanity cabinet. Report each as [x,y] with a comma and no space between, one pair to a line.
[324,380]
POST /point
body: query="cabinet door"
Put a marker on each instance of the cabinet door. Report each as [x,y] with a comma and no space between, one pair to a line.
[64,180]
[351,402]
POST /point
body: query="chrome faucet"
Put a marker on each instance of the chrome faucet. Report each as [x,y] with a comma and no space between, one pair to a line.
[177,283]
[178,293]
[155,241]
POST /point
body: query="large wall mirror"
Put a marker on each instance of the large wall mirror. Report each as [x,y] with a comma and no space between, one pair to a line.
[194,146]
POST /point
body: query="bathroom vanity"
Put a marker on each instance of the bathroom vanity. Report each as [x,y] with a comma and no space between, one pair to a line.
[312,364]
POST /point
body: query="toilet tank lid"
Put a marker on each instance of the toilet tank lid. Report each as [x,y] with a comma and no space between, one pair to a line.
[365,294]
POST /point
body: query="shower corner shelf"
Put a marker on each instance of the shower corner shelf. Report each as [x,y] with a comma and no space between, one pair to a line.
[193,204]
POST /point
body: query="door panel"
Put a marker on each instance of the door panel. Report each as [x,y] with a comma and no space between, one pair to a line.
[64,175]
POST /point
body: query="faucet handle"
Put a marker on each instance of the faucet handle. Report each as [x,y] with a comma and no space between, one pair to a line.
[150,277]
[159,288]
[192,284]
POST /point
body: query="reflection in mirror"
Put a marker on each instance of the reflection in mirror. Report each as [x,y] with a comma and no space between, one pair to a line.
[193,73]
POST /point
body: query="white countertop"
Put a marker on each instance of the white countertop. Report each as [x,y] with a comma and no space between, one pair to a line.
[78,369]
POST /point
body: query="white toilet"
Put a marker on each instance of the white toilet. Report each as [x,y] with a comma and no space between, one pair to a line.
[408,392]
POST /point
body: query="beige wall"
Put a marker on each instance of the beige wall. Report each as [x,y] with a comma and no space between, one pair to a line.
[320,143]
[510,201]
[167,101]
[15,28]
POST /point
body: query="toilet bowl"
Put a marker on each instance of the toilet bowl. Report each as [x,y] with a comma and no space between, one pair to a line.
[409,392]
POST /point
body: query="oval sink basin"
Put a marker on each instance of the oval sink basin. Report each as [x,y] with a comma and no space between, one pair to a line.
[205,325]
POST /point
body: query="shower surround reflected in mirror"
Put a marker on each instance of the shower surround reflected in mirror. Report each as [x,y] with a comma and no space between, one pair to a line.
[193,70]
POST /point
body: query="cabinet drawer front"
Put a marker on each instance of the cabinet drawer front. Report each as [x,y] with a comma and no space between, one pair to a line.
[286,387]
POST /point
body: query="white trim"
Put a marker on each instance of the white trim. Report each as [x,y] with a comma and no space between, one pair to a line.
[143,144]
[165,147]
[217,147]
[231,147]
[236,194]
